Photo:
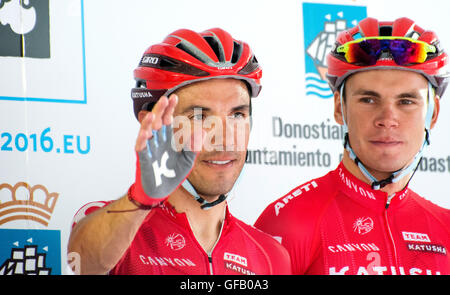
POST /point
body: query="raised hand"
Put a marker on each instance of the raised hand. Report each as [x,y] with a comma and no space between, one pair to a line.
[160,168]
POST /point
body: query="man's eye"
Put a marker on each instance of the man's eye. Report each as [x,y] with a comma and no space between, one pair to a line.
[366,100]
[197,117]
[406,101]
[238,115]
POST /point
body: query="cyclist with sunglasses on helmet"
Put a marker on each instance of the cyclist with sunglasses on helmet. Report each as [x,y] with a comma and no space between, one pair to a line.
[174,218]
[362,218]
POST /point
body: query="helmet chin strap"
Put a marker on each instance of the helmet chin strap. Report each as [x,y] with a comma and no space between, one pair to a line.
[205,205]
[399,174]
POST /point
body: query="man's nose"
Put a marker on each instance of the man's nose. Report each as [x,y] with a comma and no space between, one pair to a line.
[387,117]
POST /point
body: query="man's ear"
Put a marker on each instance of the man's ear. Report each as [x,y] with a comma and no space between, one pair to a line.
[436,111]
[338,109]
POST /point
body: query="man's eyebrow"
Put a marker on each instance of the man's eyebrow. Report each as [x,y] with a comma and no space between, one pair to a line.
[192,108]
[242,107]
[198,108]
[366,92]
[408,94]
[411,94]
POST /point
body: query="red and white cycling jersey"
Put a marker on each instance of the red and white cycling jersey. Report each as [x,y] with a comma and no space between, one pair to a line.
[165,244]
[337,224]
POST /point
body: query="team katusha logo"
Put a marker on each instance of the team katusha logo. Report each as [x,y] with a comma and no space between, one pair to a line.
[363,225]
[321,25]
[25,28]
[28,250]
[175,241]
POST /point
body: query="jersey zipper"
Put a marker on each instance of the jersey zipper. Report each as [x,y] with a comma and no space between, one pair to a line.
[388,201]
[211,272]
[208,254]
[391,237]
[212,249]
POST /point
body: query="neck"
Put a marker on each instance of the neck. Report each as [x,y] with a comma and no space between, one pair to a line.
[205,224]
[390,189]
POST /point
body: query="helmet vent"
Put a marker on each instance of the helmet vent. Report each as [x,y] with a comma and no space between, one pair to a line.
[413,35]
[357,36]
[216,47]
[237,50]
[167,64]
[250,67]
[141,84]
[186,49]
[386,31]
[193,51]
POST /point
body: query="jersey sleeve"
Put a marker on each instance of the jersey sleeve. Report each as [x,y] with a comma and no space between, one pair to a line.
[442,215]
[280,259]
[274,225]
[276,256]
[293,220]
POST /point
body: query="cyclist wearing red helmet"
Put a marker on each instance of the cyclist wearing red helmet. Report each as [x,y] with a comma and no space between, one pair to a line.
[160,227]
[362,218]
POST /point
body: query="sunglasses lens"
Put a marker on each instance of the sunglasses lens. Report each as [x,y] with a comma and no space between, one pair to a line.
[367,52]
[406,52]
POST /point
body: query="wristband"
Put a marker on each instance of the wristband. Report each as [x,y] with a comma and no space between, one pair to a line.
[139,205]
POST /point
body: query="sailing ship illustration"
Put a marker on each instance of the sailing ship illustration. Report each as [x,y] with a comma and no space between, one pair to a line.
[317,50]
[322,44]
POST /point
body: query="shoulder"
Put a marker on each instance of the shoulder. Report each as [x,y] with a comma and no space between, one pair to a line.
[259,235]
[87,209]
[441,214]
[300,205]
[270,246]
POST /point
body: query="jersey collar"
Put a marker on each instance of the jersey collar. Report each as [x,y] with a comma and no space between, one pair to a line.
[181,218]
[363,192]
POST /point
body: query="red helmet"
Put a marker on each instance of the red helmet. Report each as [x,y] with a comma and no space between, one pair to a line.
[433,68]
[186,57]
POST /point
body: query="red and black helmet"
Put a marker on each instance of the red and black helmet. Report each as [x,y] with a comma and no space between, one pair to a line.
[433,68]
[186,57]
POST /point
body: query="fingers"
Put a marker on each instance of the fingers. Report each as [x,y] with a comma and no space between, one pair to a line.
[145,132]
[162,113]
[159,110]
[167,117]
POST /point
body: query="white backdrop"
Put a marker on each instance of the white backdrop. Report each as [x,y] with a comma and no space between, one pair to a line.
[66,121]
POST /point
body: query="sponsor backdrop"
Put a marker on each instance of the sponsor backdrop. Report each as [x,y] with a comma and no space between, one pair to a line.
[67,128]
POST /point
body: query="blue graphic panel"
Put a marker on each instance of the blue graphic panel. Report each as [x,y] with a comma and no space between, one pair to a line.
[321,24]
[28,251]
[36,43]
